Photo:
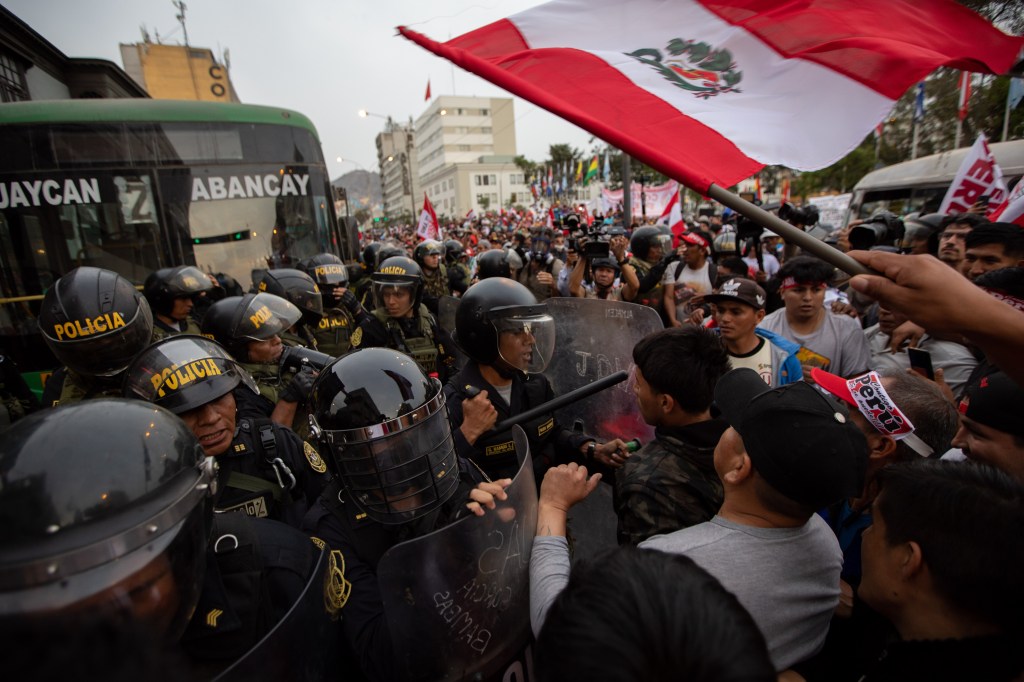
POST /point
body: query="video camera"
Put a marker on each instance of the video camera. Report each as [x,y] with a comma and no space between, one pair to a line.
[881,229]
[294,358]
[806,215]
[591,240]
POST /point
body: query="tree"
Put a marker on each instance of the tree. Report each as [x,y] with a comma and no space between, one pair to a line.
[485,202]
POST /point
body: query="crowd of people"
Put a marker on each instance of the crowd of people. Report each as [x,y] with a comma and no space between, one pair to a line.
[834,490]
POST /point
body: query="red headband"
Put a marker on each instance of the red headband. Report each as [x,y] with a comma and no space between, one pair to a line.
[790,283]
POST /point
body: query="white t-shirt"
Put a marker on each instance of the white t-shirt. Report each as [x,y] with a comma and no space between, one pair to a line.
[771,264]
[688,283]
[759,360]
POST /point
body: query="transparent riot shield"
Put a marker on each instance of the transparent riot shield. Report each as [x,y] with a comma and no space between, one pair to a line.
[446,307]
[595,338]
[300,646]
[457,601]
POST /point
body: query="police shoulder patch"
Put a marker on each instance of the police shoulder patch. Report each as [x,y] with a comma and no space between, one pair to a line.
[336,588]
[313,457]
[357,337]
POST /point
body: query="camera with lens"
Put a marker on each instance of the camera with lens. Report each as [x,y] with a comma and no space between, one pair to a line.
[881,229]
[805,215]
[294,358]
[748,229]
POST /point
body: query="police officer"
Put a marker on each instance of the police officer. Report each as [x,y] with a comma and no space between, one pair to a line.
[342,312]
[265,469]
[402,322]
[94,321]
[459,275]
[384,431]
[652,254]
[428,255]
[171,294]
[299,289]
[493,263]
[360,279]
[108,538]
[509,339]
[249,328]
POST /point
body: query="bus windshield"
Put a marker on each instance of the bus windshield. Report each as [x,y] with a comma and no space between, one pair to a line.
[232,189]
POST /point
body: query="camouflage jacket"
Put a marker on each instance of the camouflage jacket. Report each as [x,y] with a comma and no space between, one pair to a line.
[670,483]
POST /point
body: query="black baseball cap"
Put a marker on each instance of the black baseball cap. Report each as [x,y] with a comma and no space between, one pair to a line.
[799,440]
[738,289]
[994,400]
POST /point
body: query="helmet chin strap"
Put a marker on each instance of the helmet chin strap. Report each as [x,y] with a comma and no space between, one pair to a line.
[505,370]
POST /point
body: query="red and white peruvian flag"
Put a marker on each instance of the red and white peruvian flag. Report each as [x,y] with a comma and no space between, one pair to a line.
[710,91]
[979,175]
[673,216]
[428,227]
[1013,210]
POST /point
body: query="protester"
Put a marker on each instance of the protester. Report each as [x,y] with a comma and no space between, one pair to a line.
[670,483]
[738,308]
[991,246]
[827,340]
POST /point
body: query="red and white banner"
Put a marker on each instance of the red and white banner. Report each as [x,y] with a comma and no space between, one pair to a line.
[710,91]
[428,228]
[655,198]
[1012,210]
[979,175]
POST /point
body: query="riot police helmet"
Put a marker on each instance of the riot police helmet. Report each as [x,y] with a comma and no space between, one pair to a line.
[453,251]
[181,373]
[645,239]
[165,285]
[236,320]
[429,247]
[296,287]
[105,513]
[385,428]
[500,323]
[725,242]
[390,251]
[398,273]
[326,269]
[369,255]
[492,264]
[95,321]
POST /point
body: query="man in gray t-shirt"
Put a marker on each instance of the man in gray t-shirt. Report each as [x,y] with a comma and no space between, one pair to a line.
[789,452]
[832,342]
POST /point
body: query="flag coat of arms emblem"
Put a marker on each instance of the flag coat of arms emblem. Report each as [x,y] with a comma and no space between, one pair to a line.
[711,91]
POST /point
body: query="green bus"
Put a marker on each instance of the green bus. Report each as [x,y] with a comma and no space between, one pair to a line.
[135,185]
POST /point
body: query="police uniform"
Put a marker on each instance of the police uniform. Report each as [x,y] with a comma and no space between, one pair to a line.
[495,452]
[417,336]
[334,333]
[66,386]
[268,471]
[256,570]
[670,483]
[161,330]
[358,543]
[459,278]
[651,298]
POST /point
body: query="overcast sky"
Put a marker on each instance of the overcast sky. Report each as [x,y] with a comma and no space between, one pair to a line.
[324,58]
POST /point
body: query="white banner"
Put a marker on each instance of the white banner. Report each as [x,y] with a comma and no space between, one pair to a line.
[831,209]
[979,175]
[656,198]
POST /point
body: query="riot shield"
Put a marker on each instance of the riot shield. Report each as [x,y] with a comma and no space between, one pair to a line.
[446,307]
[299,647]
[594,339]
[457,601]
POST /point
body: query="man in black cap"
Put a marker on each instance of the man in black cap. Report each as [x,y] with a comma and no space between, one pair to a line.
[789,452]
[991,428]
[738,307]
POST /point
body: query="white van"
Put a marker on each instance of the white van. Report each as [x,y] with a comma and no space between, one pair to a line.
[920,185]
